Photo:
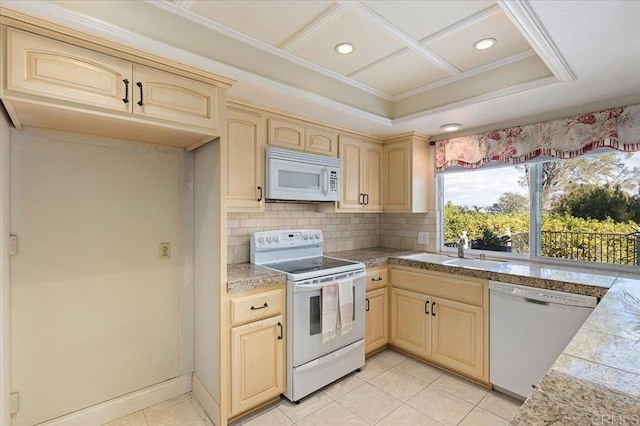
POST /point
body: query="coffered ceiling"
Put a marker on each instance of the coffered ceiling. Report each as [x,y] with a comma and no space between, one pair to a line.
[414,65]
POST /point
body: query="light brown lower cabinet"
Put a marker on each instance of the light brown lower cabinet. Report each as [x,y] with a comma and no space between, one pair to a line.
[448,332]
[376,320]
[257,363]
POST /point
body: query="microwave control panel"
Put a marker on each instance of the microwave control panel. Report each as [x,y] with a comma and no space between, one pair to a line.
[333,181]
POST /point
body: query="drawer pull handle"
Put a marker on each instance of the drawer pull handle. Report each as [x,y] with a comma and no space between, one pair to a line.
[376,279]
[260,196]
[126,91]
[279,325]
[367,308]
[366,201]
[433,310]
[253,308]
[426,307]
[140,102]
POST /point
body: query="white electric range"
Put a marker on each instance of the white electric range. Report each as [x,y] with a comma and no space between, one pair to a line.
[312,364]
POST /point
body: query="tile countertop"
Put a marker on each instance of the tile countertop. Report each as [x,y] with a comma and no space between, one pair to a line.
[596,379]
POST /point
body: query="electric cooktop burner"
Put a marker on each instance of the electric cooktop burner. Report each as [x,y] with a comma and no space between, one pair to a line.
[312,264]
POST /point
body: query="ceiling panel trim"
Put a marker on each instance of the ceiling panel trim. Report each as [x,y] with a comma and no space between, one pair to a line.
[478,70]
[527,22]
[230,32]
[374,19]
[335,11]
[376,63]
[185,4]
[465,23]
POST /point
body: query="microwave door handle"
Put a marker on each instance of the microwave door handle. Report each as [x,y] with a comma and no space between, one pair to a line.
[325,181]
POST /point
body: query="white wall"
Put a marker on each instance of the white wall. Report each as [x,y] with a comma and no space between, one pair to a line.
[5,289]
[95,312]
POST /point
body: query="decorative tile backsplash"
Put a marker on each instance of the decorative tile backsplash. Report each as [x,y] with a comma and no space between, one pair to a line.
[342,231]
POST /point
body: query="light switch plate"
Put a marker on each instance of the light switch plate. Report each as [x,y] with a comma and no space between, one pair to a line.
[423,238]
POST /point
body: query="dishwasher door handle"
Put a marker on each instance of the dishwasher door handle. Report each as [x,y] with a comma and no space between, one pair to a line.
[535,301]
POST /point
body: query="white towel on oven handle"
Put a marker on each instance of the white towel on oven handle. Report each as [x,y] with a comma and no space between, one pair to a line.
[345,298]
[329,310]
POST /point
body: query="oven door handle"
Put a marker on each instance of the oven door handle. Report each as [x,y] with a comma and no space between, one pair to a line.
[306,288]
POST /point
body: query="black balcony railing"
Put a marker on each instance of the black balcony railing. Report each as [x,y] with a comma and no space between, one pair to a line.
[622,249]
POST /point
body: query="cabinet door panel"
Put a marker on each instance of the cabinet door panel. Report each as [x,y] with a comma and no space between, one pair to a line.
[321,142]
[457,339]
[257,363]
[376,320]
[286,134]
[397,188]
[44,67]
[410,322]
[351,164]
[171,97]
[373,175]
[245,133]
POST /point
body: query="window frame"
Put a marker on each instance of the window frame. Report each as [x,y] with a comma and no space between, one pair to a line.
[535,225]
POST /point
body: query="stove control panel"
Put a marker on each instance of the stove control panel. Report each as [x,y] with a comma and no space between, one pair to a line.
[286,238]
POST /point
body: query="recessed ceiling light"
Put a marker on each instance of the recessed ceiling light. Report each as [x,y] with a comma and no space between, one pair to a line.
[484,44]
[344,48]
[451,127]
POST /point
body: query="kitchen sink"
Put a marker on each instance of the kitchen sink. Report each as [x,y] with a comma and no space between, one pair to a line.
[427,257]
[472,263]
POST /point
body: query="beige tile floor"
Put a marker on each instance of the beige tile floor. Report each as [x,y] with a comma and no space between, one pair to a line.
[391,390]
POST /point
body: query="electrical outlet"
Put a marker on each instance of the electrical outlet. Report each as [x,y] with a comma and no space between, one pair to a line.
[13,245]
[423,238]
[14,402]
[165,250]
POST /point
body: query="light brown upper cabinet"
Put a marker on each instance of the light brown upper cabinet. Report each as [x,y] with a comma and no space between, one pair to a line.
[299,136]
[245,171]
[361,164]
[409,174]
[54,84]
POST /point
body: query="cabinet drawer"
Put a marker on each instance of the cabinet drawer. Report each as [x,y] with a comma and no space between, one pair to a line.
[256,306]
[377,278]
[448,286]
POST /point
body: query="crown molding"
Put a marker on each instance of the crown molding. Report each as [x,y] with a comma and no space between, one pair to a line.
[518,88]
[523,16]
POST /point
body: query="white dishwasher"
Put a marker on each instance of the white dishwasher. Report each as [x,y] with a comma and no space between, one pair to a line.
[528,329]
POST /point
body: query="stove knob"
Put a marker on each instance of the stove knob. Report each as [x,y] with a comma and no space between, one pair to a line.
[268,239]
[305,236]
[317,236]
[276,239]
[261,240]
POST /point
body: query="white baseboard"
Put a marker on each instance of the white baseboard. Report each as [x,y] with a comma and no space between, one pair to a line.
[211,407]
[126,404]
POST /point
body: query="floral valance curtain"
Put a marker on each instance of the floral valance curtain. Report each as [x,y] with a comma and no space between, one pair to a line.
[617,128]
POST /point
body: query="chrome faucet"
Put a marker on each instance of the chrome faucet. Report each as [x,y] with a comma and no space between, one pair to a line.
[461,244]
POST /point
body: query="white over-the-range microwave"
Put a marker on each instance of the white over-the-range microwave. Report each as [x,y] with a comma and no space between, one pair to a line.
[298,176]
